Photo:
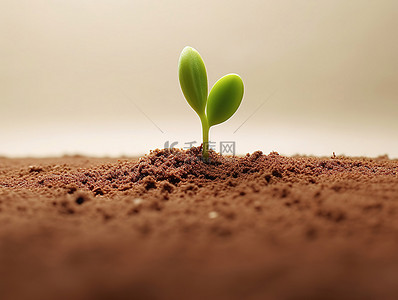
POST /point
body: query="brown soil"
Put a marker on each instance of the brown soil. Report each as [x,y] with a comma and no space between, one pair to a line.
[168,226]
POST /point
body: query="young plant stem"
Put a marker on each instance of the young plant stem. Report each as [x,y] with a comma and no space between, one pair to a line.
[205,130]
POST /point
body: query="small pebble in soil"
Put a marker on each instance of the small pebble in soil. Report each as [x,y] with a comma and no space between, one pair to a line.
[138,201]
[213,215]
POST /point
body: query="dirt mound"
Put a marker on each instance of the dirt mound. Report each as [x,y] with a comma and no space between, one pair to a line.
[169,226]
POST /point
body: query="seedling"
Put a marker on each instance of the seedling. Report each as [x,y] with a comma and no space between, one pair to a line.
[213,108]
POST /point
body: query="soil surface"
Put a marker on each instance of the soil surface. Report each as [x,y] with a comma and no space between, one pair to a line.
[168,226]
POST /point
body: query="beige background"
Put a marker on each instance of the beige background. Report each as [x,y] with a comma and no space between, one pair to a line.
[75,76]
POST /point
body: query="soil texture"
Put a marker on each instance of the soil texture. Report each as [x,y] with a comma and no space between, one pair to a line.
[169,226]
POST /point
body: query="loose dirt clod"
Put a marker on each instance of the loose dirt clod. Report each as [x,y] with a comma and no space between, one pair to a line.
[252,227]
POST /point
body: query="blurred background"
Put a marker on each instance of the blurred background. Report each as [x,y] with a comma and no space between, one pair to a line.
[100,77]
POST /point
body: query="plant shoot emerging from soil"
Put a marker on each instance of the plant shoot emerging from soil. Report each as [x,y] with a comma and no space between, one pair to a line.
[213,108]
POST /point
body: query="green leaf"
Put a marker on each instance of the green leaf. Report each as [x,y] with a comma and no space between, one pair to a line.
[193,79]
[224,99]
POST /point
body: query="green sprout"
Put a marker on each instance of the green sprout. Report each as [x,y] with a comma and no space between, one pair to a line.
[213,108]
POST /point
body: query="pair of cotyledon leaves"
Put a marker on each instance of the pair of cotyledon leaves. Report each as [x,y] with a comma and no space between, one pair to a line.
[224,98]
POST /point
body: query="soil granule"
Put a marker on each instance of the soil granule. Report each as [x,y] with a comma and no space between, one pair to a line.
[169,226]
